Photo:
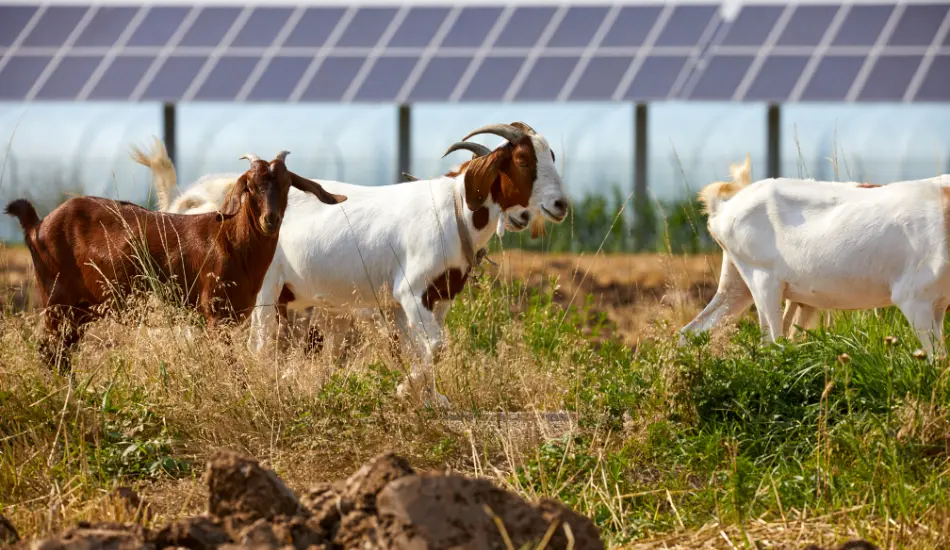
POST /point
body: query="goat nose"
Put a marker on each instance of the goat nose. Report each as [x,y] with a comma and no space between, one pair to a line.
[560,204]
[272,219]
[526,216]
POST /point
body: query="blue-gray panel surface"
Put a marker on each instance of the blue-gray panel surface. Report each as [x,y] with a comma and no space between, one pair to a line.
[226,78]
[333,78]
[107,24]
[70,76]
[546,78]
[439,78]
[752,26]
[280,78]
[936,85]
[18,76]
[55,26]
[525,27]
[366,28]
[578,26]
[158,26]
[472,27]
[419,27]
[13,20]
[918,24]
[833,78]
[601,78]
[386,78]
[890,77]
[210,27]
[121,78]
[173,78]
[492,79]
[863,25]
[777,77]
[262,27]
[315,27]
[656,77]
[807,25]
[686,25]
[721,77]
[632,26]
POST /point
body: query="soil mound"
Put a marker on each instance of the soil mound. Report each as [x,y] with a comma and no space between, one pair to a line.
[384,505]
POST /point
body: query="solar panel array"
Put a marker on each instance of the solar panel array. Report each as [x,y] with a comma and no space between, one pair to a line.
[793,52]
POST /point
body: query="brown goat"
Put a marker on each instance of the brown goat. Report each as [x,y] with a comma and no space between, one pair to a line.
[91,250]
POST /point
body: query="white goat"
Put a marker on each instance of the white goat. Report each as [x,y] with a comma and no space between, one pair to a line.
[835,246]
[414,242]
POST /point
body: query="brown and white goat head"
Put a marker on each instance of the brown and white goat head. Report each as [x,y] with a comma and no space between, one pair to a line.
[265,185]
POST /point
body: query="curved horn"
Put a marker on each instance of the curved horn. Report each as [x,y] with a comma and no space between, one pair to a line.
[477,148]
[524,127]
[282,155]
[251,157]
[507,131]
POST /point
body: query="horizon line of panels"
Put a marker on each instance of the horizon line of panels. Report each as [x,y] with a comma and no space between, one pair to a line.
[565,53]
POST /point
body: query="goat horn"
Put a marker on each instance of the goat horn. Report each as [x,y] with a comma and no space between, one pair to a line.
[478,149]
[251,157]
[282,155]
[409,177]
[507,131]
[524,127]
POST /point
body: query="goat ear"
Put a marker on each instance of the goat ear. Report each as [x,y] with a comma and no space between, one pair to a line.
[315,189]
[232,202]
[481,175]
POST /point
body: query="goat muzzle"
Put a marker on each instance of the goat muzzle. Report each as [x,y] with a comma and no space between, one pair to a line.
[270,223]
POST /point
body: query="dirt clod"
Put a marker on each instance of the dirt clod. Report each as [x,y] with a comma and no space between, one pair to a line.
[385,505]
[240,486]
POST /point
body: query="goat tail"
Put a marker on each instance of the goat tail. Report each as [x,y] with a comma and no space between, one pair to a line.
[713,195]
[24,212]
[158,161]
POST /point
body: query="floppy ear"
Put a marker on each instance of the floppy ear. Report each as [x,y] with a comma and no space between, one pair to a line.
[232,202]
[481,174]
[315,189]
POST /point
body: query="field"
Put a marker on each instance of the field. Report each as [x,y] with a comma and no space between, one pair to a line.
[720,444]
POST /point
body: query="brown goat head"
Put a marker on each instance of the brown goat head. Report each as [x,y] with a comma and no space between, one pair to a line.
[507,173]
[265,186]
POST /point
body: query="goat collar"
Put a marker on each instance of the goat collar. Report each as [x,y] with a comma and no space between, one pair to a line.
[472,258]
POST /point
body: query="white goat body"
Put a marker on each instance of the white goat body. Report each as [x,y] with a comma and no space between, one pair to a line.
[834,246]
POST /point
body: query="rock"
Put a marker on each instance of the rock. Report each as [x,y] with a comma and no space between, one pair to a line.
[198,533]
[239,486]
[362,487]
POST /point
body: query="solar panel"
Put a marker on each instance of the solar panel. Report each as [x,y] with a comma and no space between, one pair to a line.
[656,77]
[13,22]
[890,77]
[722,77]
[263,27]
[632,26]
[173,78]
[918,25]
[862,25]
[385,79]
[106,26]
[439,78]
[601,77]
[525,27]
[472,27]
[777,77]
[314,27]
[419,27]
[333,78]
[492,78]
[807,25]
[55,26]
[687,25]
[225,79]
[210,26]
[752,26]
[833,78]
[366,27]
[936,85]
[121,78]
[679,51]
[69,77]
[18,76]
[546,78]
[280,78]
[578,26]
[159,25]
